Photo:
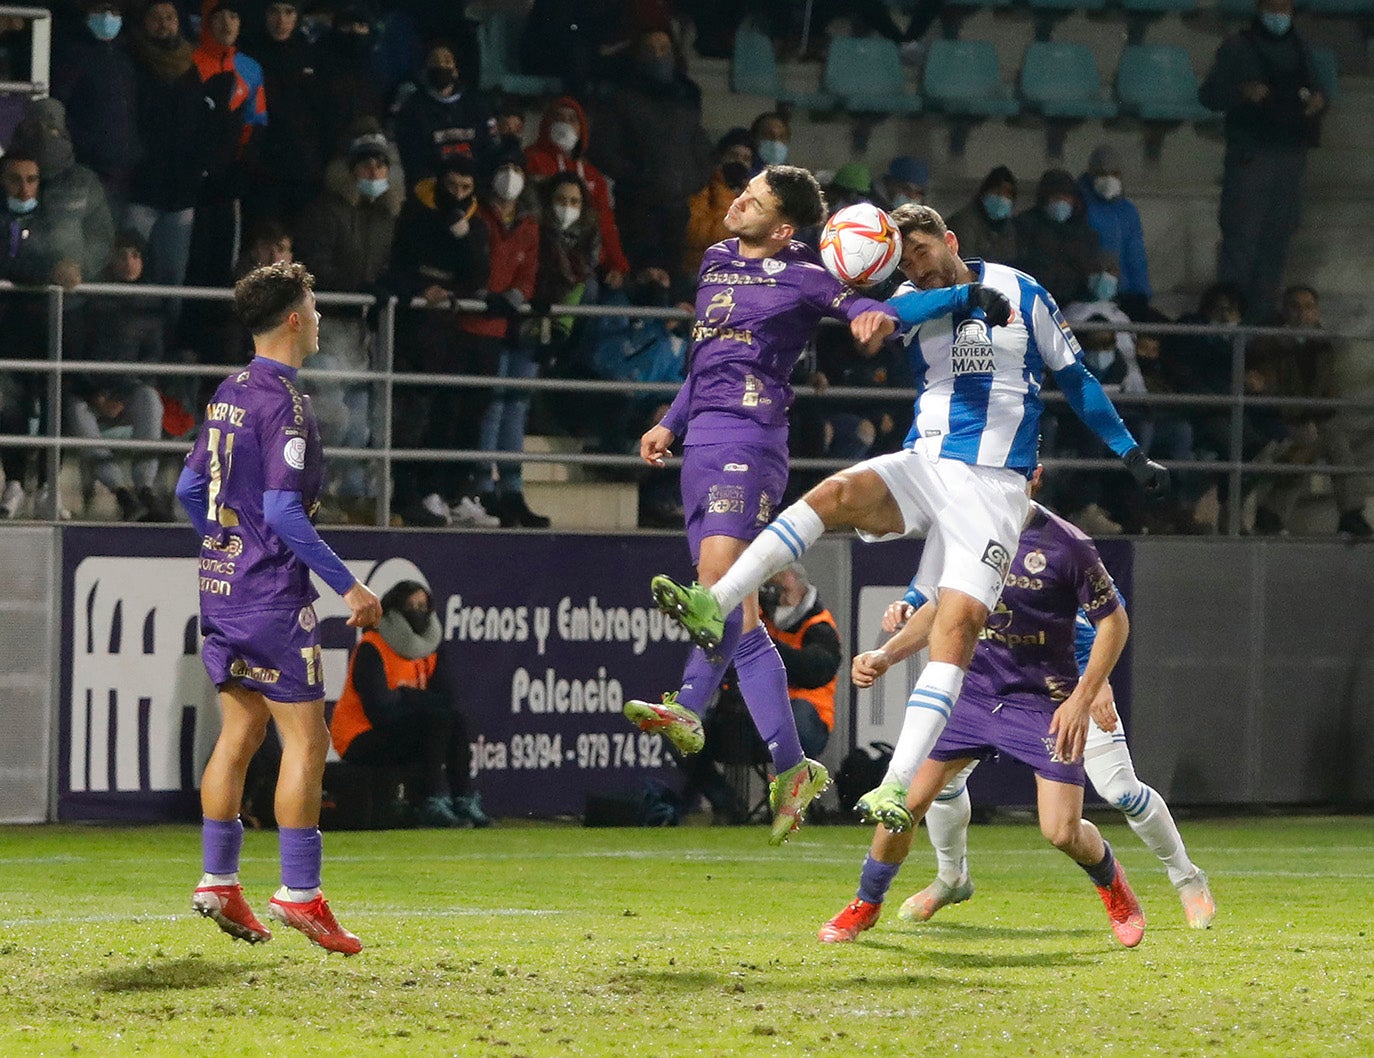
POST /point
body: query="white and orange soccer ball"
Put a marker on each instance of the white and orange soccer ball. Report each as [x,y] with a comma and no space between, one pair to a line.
[860,245]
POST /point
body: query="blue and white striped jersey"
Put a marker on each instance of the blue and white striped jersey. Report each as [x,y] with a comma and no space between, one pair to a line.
[986,408]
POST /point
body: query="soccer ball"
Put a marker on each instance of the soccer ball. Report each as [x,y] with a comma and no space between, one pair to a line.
[860,245]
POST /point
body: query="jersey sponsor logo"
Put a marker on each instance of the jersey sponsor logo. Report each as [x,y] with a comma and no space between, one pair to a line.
[738,279]
[720,308]
[773,266]
[241,670]
[1034,562]
[307,619]
[971,353]
[294,453]
[753,393]
[996,557]
[736,468]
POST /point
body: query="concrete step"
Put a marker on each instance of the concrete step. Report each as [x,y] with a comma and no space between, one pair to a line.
[585,505]
[554,472]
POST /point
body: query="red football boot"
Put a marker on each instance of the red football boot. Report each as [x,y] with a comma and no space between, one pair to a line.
[316,921]
[1128,920]
[226,907]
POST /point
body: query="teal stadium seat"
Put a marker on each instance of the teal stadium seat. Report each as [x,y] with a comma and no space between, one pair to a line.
[1236,8]
[962,79]
[754,71]
[1338,8]
[866,75]
[1327,72]
[1158,7]
[498,38]
[1060,80]
[1156,82]
[1066,5]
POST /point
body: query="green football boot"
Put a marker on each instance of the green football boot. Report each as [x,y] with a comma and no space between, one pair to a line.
[790,793]
[678,724]
[886,805]
[693,608]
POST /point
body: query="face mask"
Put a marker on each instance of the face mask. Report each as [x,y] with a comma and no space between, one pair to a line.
[566,216]
[418,619]
[1275,23]
[1104,285]
[440,78]
[372,189]
[1059,211]
[997,207]
[659,71]
[104,25]
[1109,187]
[735,174]
[769,597]
[21,205]
[1101,361]
[564,135]
[905,200]
[772,152]
[508,184]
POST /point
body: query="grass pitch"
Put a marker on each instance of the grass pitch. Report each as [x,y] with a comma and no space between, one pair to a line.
[556,941]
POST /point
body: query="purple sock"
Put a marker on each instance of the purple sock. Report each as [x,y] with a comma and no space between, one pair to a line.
[875,879]
[302,851]
[221,840]
[702,676]
[763,683]
[1103,872]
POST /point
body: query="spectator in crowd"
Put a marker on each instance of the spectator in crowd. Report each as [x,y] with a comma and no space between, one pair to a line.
[905,182]
[984,226]
[651,143]
[349,85]
[233,83]
[564,134]
[510,122]
[851,184]
[1305,367]
[443,118]
[1264,80]
[400,706]
[1054,241]
[291,161]
[568,39]
[345,237]
[440,255]
[706,221]
[1100,303]
[772,132]
[1117,222]
[24,260]
[503,346]
[174,120]
[93,76]
[569,247]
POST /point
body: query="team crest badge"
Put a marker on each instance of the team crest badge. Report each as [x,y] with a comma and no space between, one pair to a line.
[1035,562]
[772,266]
[306,618]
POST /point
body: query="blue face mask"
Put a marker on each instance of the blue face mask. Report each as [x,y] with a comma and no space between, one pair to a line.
[772,152]
[1103,285]
[21,205]
[997,207]
[1058,210]
[372,189]
[1275,23]
[104,25]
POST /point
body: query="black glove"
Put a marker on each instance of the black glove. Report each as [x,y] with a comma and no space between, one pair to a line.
[1151,476]
[994,304]
[501,306]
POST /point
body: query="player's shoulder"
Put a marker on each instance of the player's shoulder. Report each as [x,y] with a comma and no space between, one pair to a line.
[1046,524]
[1020,287]
[800,254]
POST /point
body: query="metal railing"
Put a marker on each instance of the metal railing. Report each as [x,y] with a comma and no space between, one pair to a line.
[385,379]
[40,26]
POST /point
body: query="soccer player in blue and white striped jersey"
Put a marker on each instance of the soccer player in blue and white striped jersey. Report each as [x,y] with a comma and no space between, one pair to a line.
[960,479]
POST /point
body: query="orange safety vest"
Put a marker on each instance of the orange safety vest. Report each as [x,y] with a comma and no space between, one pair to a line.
[350,719]
[823,698]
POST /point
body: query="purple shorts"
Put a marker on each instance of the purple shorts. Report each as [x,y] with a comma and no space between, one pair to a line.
[981,728]
[730,490]
[273,652]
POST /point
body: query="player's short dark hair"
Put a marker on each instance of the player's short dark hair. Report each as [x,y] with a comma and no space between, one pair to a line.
[12,156]
[265,296]
[800,199]
[912,218]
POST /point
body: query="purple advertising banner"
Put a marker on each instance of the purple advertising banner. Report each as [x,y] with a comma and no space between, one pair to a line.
[879,575]
[547,635]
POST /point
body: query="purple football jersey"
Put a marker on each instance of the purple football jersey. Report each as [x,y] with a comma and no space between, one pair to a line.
[754,318]
[1026,653]
[259,435]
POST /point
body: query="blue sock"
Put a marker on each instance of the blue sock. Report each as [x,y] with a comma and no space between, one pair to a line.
[875,879]
[702,676]
[763,683]
[1102,873]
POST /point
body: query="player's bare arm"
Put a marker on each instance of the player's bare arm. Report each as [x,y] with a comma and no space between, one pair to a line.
[1069,725]
[912,638]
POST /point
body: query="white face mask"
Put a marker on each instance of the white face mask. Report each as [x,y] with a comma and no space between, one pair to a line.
[564,135]
[1109,187]
[566,216]
[508,183]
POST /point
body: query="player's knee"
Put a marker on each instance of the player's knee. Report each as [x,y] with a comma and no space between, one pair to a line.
[1061,833]
[1117,785]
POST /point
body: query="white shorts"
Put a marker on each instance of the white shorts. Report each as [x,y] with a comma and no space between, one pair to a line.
[971,517]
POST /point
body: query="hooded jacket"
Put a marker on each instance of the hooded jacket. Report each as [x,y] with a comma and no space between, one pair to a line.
[430,129]
[427,253]
[544,158]
[1058,256]
[706,221]
[234,84]
[342,237]
[514,265]
[1117,223]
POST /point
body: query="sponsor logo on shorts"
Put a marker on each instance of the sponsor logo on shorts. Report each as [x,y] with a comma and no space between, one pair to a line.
[996,557]
[241,670]
[773,266]
[1055,758]
[294,453]
[765,514]
[736,468]
[306,618]
[1035,562]
[725,499]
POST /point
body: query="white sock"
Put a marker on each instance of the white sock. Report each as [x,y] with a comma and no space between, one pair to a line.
[785,540]
[947,825]
[927,711]
[1113,777]
[218,879]
[296,896]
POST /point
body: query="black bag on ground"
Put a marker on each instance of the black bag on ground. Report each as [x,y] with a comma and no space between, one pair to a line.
[861,771]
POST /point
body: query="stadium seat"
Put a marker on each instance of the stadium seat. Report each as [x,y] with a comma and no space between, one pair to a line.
[1067,5]
[1236,8]
[754,70]
[1158,7]
[1327,72]
[1338,8]
[962,79]
[1156,82]
[866,75]
[1060,80]
[498,37]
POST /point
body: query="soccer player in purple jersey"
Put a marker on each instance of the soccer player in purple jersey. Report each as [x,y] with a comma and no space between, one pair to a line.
[759,298]
[253,475]
[1023,697]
